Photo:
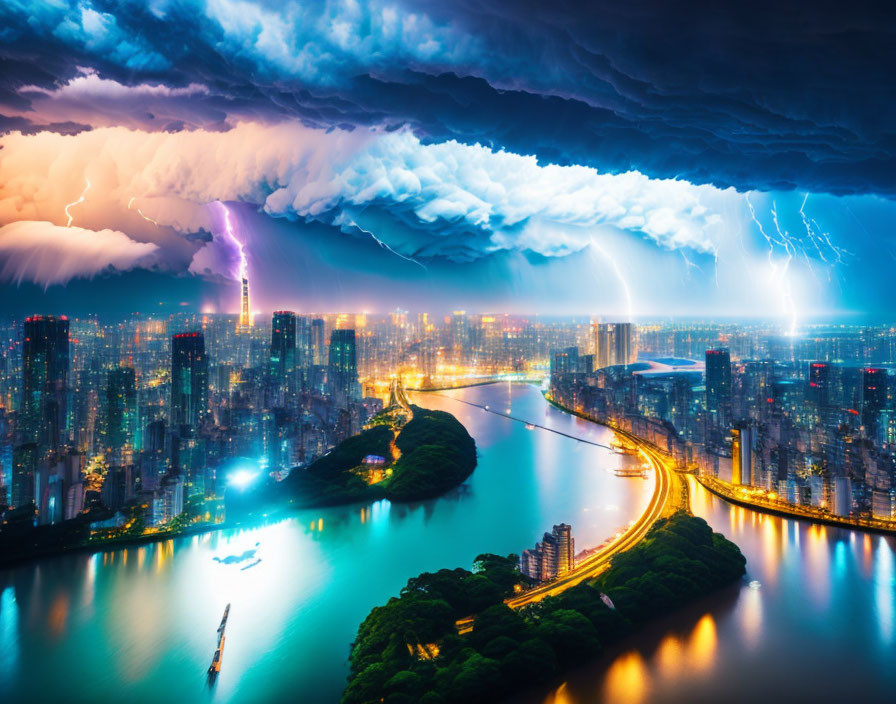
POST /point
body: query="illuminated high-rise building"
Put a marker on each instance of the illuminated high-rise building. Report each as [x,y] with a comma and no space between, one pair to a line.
[342,370]
[121,409]
[742,470]
[24,474]
[304,344]
[245,314]
[624,342]
[718,386]
[553,557]
[283,353]
[820,383]
[45,385]
[604,345]
[318,341]
[565,548]
[874,398]
[189,380]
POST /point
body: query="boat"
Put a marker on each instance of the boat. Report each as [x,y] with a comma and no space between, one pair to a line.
[529,426]
[630,472]
[621,448]
[215,667]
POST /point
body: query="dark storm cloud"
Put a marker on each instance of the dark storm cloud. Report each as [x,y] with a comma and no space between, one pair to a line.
[754,95]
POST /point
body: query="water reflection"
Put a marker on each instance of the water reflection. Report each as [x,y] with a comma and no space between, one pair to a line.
[810,592]
[141,623]
[627,681]
[884,590]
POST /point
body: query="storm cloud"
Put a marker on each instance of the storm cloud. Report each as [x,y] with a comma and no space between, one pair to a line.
[756,96]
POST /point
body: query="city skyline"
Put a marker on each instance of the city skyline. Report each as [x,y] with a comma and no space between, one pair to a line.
[405,351]
[174,183]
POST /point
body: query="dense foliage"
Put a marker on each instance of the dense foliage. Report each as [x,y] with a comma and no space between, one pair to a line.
[436,454]
[329,480]
[409,650]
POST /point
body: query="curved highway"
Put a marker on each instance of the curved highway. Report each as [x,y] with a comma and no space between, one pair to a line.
[667,498]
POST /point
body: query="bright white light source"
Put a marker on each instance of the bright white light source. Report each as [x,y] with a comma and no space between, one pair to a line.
[242,478]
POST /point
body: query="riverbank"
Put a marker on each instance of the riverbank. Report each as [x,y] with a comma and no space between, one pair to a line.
[783,509]
[408,650]
[109,544]
[419,460]
[653,453]
[729,493]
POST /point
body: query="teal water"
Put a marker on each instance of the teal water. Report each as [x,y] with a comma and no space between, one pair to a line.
[813,621]
[139,625]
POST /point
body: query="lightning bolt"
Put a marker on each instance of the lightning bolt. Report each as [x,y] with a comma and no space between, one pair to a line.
[140,212]
[80,200]
[386,246]
[228,229]
[615,266]
[780,268]
[819,237]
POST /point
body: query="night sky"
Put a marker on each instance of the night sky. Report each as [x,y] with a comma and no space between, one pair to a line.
[619,159]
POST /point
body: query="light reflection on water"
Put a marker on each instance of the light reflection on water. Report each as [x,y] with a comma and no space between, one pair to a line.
[140,624]
[817,626]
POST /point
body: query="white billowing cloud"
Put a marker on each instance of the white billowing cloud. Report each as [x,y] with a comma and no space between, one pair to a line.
[45,171]
[445,190]
[48,254]
[449,199]
[500,192]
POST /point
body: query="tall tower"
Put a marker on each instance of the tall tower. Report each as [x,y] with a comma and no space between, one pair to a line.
[121,409]
[718,386]
[342,370]
[283,352]
[189,379]
[245,316]
[45,357]
[604,345]
[625,343]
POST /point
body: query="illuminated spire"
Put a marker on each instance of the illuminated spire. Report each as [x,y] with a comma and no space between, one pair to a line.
[245,316]
[245,320]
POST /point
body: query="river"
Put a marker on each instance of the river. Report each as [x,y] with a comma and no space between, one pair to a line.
[139,624]
[813,621]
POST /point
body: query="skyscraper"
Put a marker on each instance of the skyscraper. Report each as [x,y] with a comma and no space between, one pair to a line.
[342,370]
[24,470]
[553,557]
[742,471]
[189,379]
[565,548]
[820,384]
[604,345]
[283,353]
[245,314]
[121,409]
[625,343]
[318,343]
[45,384]
[718,386]
[304,344]
[874,398]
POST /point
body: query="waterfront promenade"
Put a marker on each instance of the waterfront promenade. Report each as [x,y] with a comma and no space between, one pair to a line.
[758,500]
